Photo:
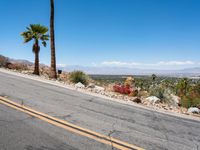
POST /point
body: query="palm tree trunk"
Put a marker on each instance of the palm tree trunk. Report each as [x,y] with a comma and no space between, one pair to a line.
[36,49]
[53,73]
[36,69]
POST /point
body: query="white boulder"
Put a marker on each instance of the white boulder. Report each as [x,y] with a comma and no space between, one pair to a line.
[153,99]
[79,85]
[175,99]
[99,88]
[194,110]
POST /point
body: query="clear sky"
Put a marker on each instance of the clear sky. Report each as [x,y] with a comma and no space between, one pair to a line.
[135,33]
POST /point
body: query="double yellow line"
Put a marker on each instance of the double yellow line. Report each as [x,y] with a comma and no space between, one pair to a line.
[70,127]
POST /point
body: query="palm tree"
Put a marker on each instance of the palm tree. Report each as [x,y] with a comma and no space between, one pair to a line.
[53,53]
[37,33]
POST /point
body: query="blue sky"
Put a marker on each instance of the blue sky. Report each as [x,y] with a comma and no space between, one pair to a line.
[163,34]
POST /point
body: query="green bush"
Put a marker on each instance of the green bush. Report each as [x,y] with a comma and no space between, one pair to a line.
[192,97]
[157,91]
[187,101]
[79,76]
[162,93]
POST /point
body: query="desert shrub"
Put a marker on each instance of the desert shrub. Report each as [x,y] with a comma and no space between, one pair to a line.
[192,98]
[79,76]
[153,76]
[19,67]
[157,91]
[129,82]
[3,61]
[163,93]
[142,93]
[187,101]
[134,93]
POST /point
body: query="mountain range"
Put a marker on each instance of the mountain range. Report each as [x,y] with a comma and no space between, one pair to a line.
[120,70]
[132,71]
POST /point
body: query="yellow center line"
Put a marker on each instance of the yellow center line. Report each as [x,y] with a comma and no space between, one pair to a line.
[71,127]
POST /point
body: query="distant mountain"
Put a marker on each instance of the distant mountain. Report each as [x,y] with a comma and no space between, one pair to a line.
[23,61]
[132,71]
[120,70]
[20,61]
[191,70]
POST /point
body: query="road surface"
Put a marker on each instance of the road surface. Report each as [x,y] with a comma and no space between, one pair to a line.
[141,127]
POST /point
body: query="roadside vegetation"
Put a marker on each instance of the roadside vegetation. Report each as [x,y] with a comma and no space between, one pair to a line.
[159,91]
[188,90]
[172,91]
[79,76]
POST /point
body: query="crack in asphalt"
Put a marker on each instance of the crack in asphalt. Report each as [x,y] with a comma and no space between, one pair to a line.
[112,132]
[64,116]
[17,120]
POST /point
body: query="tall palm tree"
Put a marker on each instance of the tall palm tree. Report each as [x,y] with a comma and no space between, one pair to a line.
[52,36]
[37,33]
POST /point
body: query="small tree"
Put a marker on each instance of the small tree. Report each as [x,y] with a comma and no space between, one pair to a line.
[37,33]
[153,76]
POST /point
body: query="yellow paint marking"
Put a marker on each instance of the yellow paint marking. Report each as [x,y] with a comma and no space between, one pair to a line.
[71,127]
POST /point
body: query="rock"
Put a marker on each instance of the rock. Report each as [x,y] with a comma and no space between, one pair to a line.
[120,96]
[153,99]
[79,85]
[176,100]
[136,100]
[98,89]
[25,72]
[126,98]
[91,85]
[183,110]
[194,110]
[198,106]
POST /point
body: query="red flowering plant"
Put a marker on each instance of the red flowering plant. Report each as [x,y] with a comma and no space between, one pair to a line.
[127,88]
[122,89]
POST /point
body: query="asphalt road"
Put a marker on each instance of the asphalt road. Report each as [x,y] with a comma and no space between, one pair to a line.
[19,131]
[144,128]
